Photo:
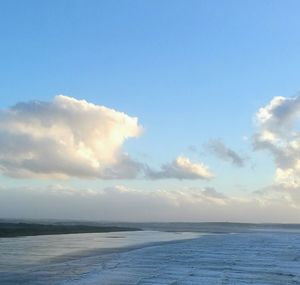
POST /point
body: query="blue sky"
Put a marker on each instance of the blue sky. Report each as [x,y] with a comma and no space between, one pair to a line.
[191,71]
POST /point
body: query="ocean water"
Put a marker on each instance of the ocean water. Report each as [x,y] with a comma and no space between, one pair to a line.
[258,256]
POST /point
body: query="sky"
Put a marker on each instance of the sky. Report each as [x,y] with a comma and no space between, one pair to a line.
[150,110]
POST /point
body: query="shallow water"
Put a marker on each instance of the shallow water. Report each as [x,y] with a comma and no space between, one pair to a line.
[21,256]
[261,258]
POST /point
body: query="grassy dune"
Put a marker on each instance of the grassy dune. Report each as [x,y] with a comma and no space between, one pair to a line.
[27,229]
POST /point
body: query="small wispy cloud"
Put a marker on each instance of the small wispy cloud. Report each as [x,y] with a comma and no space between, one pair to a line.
[223,152]
[192,148]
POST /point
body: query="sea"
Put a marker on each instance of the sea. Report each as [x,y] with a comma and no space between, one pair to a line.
[160,254]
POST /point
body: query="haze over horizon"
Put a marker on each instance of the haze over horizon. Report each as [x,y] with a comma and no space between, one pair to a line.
[150,110]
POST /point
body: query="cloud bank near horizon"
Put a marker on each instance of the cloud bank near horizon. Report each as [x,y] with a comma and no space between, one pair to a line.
[119,203]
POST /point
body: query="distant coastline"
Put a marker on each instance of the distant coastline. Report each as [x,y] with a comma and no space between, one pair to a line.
[32,229]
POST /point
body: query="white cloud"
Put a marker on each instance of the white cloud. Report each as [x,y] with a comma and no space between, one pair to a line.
[279,134]
[181,168]
[66,137]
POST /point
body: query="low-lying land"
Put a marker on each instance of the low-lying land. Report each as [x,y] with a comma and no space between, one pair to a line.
[27,229]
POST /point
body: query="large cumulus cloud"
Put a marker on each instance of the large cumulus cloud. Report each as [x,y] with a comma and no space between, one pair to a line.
[66,137]
[279,134]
